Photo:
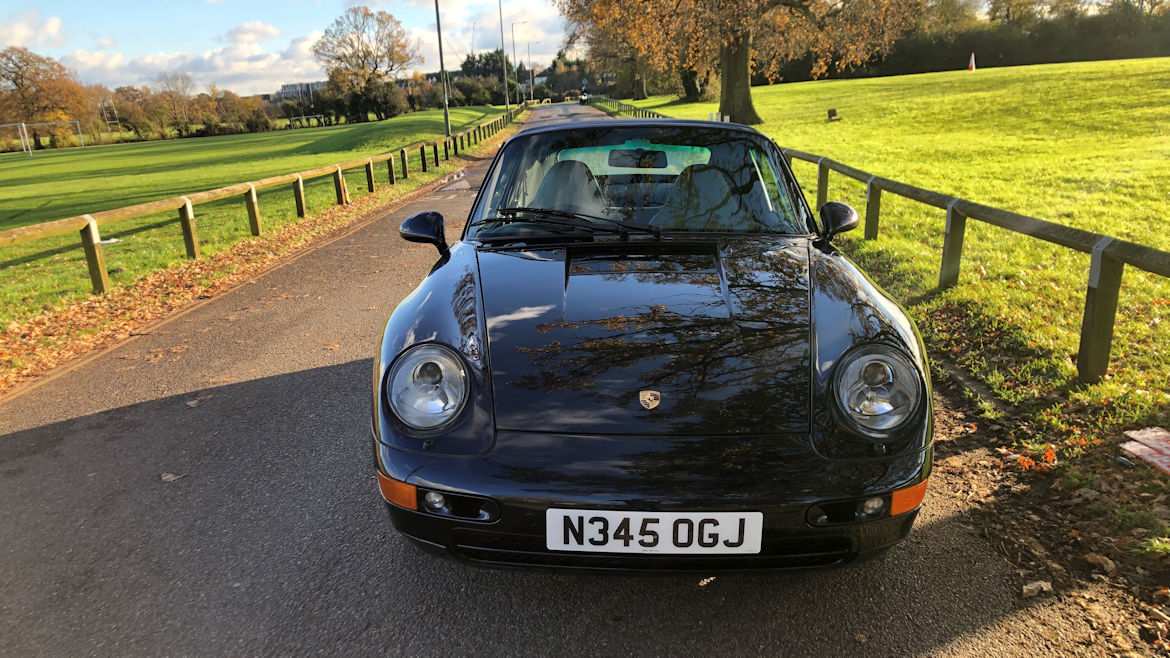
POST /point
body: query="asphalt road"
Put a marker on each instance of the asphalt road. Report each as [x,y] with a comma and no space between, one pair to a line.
[208,488]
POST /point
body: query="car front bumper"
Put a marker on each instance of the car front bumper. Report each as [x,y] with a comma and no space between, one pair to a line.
[497,517]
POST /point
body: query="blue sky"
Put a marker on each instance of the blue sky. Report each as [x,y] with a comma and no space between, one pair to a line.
[250,46]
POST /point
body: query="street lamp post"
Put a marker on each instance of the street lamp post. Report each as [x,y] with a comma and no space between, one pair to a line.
[514,55]
[503,62]
[442,72]
[531,74]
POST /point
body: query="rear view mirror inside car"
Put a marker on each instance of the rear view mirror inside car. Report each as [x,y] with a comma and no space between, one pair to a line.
[637,158]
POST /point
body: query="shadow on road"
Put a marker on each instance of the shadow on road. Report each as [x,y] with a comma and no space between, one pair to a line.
[245,518]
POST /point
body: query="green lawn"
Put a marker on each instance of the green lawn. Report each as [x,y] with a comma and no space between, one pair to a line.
[43,274]
[1083,144]
[62,183]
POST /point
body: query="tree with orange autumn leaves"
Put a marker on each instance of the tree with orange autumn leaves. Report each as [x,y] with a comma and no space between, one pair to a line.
[692,36]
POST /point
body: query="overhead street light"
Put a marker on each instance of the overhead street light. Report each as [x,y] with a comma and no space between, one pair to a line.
[503,63]
[531,75]
[514,56]
[442,73]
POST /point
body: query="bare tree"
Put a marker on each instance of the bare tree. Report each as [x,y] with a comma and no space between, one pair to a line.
[363,47]
[175,88]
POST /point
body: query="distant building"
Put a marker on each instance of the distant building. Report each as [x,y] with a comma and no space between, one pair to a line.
[299,90]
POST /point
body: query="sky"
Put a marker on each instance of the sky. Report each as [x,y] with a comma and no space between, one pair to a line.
[253,46]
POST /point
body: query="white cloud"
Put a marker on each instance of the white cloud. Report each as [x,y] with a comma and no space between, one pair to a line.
[542,26]
[28,30]
[253,32]
[253,58]
[243,67]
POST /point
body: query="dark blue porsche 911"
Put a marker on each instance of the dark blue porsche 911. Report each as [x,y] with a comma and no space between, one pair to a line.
[645,353]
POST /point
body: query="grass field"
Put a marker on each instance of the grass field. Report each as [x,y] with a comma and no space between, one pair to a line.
[40,275]
[61,183]
[1082,144]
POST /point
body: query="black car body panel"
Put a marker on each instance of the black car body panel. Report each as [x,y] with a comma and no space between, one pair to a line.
[740,336]
[720,329]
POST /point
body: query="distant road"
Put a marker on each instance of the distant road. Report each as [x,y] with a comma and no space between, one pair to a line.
[208,488]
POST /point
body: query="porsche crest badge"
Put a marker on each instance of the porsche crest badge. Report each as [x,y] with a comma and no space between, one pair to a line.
[649,399]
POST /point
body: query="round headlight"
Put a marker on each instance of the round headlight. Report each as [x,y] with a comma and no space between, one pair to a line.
[427,386]
[877,388]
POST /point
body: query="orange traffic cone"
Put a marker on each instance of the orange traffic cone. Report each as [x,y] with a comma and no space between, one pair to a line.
[971,64]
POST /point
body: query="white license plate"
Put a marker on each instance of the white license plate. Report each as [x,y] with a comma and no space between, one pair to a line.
[607,531]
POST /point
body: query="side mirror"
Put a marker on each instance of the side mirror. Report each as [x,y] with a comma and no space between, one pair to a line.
[838,217]
[426,227]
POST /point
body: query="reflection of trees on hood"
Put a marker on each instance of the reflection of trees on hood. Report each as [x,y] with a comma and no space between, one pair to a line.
[733,372]
[730,467]
[463,304]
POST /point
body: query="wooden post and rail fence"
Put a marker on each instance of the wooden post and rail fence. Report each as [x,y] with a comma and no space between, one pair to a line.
[1108,255]
[88,225]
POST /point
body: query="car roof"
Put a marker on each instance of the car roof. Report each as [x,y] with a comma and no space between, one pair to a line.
[657,123]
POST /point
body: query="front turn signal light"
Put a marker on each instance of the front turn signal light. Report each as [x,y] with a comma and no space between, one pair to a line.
[398,493]
[907,499]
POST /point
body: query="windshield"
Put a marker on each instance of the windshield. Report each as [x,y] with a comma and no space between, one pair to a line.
[654,178]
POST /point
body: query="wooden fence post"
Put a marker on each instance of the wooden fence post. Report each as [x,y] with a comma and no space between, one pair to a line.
[187,220]
[822,183]
[446,149]
[422,156]
[253,209]
[299,195]
[339,187]
[405,174]
[952,255]
[873,209]
[370,174]
[435,152]
[390,170]
[1100,313]
[95,258]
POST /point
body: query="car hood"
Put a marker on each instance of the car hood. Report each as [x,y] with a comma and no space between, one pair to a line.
[719,331]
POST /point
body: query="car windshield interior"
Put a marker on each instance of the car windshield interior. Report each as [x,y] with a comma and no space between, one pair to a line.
[661,178]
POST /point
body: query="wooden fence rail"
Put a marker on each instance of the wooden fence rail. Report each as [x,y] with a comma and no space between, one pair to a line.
[1108,255]
[618,106]
[88,224]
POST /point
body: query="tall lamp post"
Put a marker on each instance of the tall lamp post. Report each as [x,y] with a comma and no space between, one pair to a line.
[531,73]
[514,55]
[503,61]
[442,72]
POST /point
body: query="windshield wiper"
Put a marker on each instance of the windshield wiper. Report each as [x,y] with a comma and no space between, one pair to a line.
[584,220]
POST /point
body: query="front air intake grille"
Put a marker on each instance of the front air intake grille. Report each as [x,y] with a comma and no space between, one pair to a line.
[529,550]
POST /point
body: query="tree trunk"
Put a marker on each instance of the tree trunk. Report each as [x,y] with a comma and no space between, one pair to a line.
[690,83]
[735,92]
[639,79]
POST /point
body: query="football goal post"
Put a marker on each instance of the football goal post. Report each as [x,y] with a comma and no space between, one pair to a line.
[306,120]
[76,126]
[17,130]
